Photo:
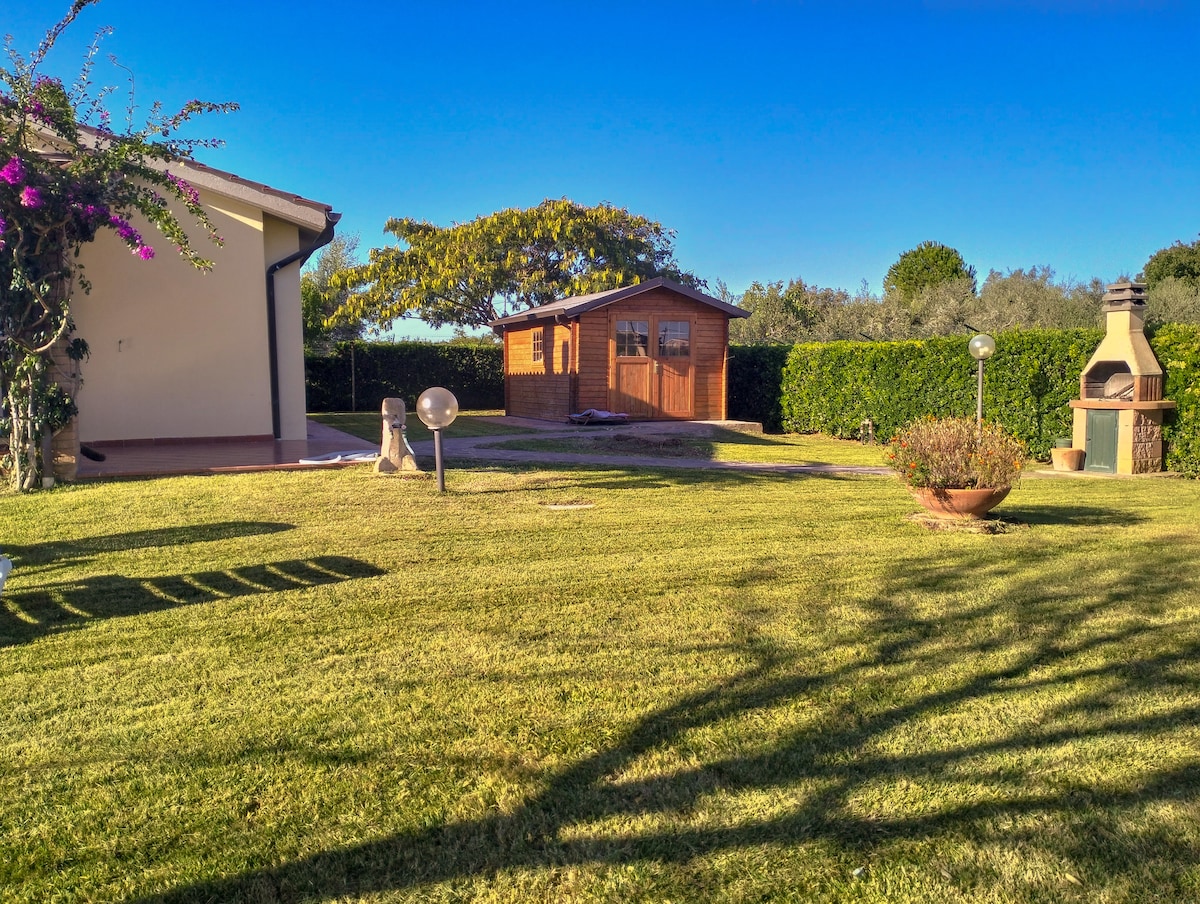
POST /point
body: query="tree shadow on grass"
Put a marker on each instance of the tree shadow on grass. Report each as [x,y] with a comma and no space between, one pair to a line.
[26,615]
[1075,515]
[63,551]
[624,477]
[1065,669]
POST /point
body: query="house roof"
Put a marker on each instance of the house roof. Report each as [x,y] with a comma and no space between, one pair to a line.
[581,304]
[287,206]
[282,204]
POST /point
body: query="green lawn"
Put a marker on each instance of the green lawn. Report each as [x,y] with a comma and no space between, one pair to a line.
[339,686]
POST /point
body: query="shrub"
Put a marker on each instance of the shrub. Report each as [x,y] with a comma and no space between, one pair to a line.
[953,453]
[358,376]
[832,387]
[756,383]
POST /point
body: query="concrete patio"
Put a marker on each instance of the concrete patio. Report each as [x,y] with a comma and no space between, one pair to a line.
[158,460]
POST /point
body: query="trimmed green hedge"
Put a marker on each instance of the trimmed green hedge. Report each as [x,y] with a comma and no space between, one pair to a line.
[1177,347]
[832,387]
[755,384]
[475,374]
[825,388]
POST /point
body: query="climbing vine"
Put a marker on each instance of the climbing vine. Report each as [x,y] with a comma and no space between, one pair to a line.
[66,174]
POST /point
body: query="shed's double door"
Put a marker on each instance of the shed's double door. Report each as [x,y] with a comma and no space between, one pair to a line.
[651,373]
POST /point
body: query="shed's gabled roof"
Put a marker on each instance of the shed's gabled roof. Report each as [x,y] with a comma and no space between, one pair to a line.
[581,304]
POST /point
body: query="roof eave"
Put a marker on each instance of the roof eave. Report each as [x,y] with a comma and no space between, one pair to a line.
[603,299]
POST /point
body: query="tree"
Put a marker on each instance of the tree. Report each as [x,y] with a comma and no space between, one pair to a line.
[65,174]
[1179,261]
[468,274]
[779,315]
[321,301]
[1173,300]
[928,265]
[1031,298]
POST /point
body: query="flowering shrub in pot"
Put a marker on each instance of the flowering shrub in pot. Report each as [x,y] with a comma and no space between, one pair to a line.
[939,459]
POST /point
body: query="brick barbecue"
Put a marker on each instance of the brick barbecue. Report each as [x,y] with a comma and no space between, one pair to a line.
[1119,413]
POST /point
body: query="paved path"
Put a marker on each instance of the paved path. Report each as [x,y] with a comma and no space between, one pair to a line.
[474,448]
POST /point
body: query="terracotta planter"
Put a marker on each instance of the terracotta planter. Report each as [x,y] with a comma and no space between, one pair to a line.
[944,503]
[1067,459]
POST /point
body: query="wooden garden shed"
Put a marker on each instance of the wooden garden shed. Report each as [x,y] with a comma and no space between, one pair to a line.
[654,351]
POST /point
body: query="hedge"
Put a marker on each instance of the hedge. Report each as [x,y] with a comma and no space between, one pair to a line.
[1178,349]
[832,387]
[755,384]
[358,376]
[821,387]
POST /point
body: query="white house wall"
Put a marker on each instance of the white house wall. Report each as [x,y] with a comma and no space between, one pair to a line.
[176,353]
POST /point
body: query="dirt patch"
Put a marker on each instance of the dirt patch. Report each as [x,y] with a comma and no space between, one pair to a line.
[670,446]
[999,525]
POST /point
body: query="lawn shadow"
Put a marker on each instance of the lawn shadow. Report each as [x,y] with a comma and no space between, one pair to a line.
[1092,660]
[28,614]
[63,551]
[618,477]
[1074,515]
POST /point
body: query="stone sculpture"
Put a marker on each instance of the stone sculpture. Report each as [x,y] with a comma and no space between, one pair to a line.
[395,454]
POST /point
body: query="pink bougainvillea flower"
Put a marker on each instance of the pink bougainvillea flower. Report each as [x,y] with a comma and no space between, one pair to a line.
[145,252]
[13,172]
[31,197]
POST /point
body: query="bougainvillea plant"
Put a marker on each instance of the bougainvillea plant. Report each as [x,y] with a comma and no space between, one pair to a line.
[66,174]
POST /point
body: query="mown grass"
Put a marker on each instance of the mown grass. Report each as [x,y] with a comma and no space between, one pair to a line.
[368,425]
[721,445]
[333,685]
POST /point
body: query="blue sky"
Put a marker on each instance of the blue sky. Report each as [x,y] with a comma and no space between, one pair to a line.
[778,139]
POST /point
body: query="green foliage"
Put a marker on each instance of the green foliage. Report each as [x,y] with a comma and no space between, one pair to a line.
[831,388]
[1018,299]
[929,264]
[320,300]
[65,174]
[1179,261]
[954,453]
[358,376]
[1031,299]
[780,315]
[514,259]
[1172,300]
[1177,347]
[754,384]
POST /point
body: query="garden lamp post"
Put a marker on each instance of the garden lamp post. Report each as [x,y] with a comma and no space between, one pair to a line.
[981,347]
[437,408]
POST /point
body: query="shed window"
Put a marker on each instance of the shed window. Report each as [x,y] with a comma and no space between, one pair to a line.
[674,338]
[538,349]
[633,338]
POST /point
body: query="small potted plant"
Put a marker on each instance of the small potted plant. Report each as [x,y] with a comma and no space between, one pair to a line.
[954,468]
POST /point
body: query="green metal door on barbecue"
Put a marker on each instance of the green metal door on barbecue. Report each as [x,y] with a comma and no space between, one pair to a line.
[1101,448]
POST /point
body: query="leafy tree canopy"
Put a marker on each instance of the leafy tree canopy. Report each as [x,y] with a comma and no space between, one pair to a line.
[927,266]
[1179,261]
[321,301]
[782,315]
[472,273]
